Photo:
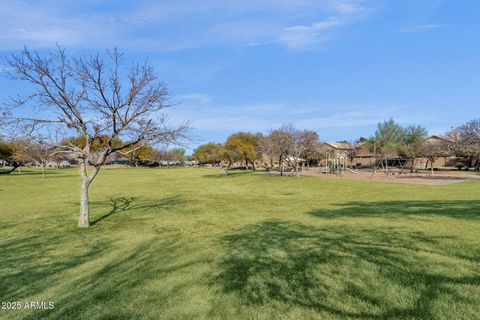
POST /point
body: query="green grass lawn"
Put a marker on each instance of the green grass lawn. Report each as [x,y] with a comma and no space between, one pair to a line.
[189,243]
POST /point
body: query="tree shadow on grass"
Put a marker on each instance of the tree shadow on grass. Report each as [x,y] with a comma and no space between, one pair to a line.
[348,272]
[127,204]
[29,265]
[48,173]
[461,209]
[122,287]
[231,174]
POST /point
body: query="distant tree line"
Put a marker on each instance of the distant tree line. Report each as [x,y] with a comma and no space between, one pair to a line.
[288,147]
[16,153]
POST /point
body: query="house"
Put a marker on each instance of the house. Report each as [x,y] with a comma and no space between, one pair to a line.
[364,156]
[336,148]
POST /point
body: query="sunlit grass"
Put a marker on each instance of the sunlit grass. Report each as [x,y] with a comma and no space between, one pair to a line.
[190,243]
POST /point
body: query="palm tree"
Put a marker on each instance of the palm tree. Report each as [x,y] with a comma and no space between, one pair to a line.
[386,139]
[413,139]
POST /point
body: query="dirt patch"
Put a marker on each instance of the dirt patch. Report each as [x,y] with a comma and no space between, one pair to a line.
[397,177]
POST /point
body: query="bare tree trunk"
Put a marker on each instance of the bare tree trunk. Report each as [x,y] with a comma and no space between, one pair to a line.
[43,171]
[15,166]
[229,164]
[84,219]
[281,165]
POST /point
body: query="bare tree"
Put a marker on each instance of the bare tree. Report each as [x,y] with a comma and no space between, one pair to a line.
[58,158]
[294,146]
[468,143]
[311,142]
[279,142]
[299,143]
[38,151]
[266,148]
[288,144]
[432,150]
[96,98]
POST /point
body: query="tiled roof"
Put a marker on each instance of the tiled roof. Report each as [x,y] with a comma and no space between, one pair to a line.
[339,145]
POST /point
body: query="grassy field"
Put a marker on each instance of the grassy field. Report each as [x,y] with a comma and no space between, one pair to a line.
[189,243]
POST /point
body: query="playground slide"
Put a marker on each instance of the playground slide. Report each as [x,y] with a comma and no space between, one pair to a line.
[352,171]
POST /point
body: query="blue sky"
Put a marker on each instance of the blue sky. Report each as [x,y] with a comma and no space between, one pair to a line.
[334,66]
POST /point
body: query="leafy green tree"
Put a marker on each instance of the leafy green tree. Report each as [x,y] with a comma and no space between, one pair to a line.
[137,153]
[387,136]
[11,155]
[243,146]
[412,143]
[385,139]
[392,138]
[209,153]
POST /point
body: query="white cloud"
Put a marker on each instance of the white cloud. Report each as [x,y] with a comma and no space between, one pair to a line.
[421,28]
[174,25]
[305,36]
[42,26]
[190,98]
[302,36]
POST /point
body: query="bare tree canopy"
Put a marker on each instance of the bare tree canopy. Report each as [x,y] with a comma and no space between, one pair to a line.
[288,144]
[468,142]
[96,98]
[38,151]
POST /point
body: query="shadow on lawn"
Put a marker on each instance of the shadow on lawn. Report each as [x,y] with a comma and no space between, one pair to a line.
[231,174]
[124,286]
[28,267]
[347,271]
[89,276]
[48,173]
[462,209]
[126,204]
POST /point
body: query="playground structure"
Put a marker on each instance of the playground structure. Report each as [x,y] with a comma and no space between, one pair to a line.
[336,163]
